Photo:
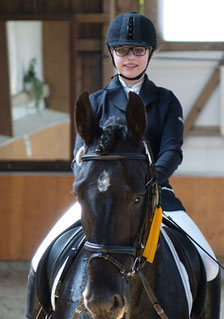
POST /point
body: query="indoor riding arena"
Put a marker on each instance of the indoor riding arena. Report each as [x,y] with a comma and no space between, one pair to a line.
[53,51]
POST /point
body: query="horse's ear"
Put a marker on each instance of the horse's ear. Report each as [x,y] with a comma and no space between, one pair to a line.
[136,115]
[84,118]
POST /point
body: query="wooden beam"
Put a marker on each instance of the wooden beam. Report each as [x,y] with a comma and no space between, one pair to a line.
[126,6]
[109,7]
[205,131]
[190,46]
[37,16]
[72,80]
[6,127]
[92,18]
[55,46]
[112,8]
[89,45]
[202,99]
[222,100]
[153,12]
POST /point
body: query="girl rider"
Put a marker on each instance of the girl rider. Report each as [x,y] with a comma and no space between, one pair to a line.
[131,40]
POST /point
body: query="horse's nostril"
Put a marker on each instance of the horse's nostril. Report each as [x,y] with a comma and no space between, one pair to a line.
[117,302]
[105,304]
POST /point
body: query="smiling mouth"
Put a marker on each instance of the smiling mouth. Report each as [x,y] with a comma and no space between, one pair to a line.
[131,66]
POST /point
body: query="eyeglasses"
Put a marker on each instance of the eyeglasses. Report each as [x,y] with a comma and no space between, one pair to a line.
[123,51]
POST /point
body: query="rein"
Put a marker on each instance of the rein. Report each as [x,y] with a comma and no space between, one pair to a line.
[105,251]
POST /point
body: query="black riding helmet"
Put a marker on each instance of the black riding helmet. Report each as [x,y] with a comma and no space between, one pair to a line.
[131,29]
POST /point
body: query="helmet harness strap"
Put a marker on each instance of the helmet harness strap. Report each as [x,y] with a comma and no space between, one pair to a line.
[125,77]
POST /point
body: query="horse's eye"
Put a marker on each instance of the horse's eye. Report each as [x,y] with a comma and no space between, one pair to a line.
[138,199]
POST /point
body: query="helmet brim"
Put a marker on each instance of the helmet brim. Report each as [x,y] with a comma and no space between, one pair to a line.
[127,43]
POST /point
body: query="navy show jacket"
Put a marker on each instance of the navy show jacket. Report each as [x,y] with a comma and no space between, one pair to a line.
[164,128]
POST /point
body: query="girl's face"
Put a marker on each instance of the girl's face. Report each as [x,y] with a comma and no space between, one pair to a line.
[130,65]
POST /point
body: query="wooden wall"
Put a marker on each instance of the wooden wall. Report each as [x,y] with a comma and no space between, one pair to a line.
[56,63]
[50,143]
[203,200]
[30,204]
[5,105]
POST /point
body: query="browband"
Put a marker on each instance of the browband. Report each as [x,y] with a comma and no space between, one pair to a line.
[113,156]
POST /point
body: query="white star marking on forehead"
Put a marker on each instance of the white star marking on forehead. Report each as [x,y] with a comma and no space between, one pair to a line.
[103,182]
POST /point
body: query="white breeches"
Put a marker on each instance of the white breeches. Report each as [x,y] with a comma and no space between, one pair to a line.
[186,223]
[72,215]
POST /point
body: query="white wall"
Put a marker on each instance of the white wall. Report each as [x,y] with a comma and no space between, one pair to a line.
[186,73]
[24,44]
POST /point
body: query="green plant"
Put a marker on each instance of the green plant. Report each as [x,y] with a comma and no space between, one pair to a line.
[37,86]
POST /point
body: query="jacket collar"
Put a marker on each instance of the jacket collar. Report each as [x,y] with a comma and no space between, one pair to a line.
[118,96]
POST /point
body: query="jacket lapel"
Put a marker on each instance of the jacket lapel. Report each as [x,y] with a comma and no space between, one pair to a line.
[148,91]
[117,95]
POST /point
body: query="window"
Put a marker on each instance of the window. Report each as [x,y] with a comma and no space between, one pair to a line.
[37,104]
[193,20]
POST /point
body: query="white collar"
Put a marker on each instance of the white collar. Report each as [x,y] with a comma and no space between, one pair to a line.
[135,88]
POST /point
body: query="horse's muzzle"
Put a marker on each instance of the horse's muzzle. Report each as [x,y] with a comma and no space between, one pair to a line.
[105,305]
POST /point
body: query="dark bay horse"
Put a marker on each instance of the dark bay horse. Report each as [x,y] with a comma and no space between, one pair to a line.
[117,189]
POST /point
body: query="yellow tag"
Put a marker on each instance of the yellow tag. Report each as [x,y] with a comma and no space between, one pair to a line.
[152,241]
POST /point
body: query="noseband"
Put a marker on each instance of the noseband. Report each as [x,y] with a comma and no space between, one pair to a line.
[105,251]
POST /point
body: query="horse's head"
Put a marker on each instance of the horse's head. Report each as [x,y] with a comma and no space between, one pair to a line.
[114,185]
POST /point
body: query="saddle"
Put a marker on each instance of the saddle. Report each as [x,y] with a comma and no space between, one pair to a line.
[59,256]
[188,256]
[55,263]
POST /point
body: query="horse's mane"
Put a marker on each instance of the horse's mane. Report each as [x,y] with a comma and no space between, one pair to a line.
[111,129]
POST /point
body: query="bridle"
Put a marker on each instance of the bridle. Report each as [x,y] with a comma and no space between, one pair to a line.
[105,251]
